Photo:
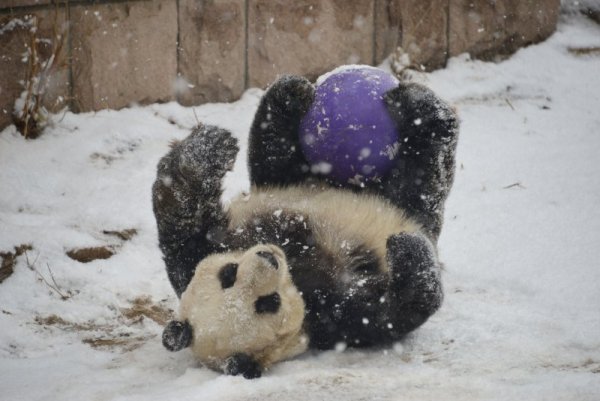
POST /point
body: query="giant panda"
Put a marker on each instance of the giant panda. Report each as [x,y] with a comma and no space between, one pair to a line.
[302,261]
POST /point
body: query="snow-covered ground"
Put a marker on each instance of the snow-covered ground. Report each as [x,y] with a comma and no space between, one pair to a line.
[521,319]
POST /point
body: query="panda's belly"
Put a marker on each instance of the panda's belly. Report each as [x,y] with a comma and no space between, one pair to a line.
[321,230]
[335,245]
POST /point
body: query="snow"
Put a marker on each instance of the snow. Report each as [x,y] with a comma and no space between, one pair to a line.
[521,318]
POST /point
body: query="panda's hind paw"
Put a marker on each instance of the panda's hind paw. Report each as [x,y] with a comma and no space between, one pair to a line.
[415,271]
[409,255]
[421,114]
[292,94]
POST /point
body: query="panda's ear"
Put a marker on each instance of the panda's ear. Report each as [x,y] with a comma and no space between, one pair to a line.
[177,335]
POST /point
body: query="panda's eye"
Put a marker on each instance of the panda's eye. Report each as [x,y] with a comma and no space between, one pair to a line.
[227,275]
[268,303]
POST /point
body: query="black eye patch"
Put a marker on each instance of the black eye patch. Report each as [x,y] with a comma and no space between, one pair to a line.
[268,303]
[227,275]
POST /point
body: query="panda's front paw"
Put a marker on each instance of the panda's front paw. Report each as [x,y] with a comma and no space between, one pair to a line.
[243,364]
[291,95]
[206,155]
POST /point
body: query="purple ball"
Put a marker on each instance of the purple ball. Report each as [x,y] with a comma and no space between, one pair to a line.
[347,133]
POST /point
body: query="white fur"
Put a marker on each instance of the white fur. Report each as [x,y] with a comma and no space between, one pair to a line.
[224,321]
[340,219]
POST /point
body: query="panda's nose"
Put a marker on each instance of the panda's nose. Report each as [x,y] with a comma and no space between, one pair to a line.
[269,257]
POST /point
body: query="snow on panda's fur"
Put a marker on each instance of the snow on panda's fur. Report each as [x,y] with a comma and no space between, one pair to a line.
[244,301]
[301,261]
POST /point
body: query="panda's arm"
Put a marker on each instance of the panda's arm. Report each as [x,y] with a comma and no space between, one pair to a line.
[274,153]
[428,130]
[186,200]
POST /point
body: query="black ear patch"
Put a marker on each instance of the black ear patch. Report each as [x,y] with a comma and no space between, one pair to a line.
[227,275]
[268,303]
[177,335]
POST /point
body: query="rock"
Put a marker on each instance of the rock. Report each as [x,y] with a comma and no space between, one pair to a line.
[307,37]
[24,3]
[488,28]
[388,28]
[211,51]
[424,32]
[123,53]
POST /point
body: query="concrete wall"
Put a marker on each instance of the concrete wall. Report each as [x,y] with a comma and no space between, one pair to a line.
[195,51]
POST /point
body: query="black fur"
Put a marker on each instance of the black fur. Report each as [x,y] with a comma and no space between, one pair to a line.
[186,200]
[292,233]
[268,303]
[177,335]
[275,156]
[372,306]
[422,178]
[269,257]
[227,275]
[383,308]
[415,287]
[378,308]
[243,364]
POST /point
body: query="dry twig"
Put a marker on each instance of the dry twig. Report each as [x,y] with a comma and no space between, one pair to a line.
[52,284]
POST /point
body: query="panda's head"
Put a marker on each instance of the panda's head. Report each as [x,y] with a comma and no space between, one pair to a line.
[240,313]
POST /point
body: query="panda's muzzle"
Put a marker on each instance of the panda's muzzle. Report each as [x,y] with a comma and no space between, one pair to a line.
[269,257]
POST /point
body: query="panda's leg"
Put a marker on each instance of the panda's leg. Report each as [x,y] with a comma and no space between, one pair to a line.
[274,155]
[423,176]
[186,200]
[414,289]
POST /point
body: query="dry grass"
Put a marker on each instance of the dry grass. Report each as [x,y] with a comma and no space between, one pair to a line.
[115,336]
[588,365]
[585,51]
[124,342]
[42,56]
[143,307]
[124,235]
[86,255]
[55,320]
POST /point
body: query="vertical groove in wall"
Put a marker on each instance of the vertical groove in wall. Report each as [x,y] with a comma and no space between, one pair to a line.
[71,103]
[374,27]
[177,51]
[246,41]
[447,56]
